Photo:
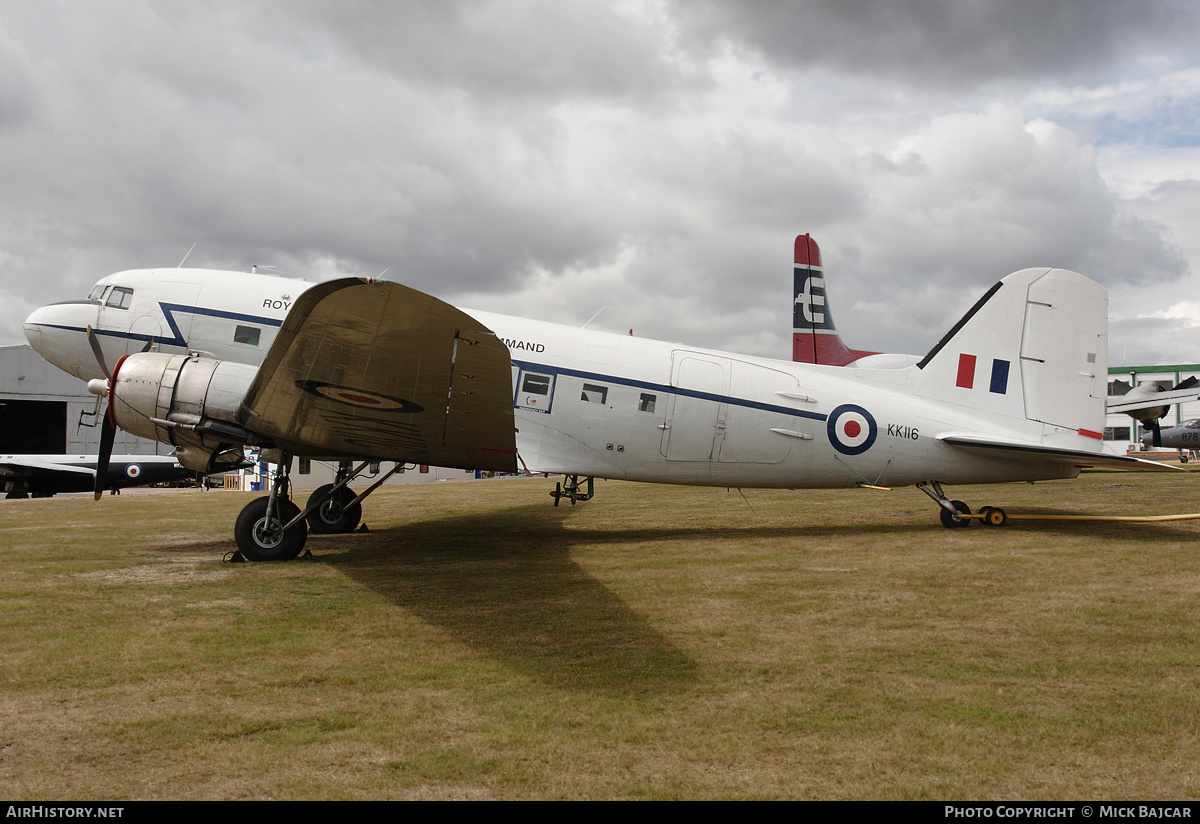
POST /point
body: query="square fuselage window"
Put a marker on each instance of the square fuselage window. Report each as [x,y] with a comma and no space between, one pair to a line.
[594,394]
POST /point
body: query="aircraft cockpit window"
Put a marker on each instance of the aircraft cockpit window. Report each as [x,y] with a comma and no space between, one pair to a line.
[1193,424]
[97,292]
[246,334]
[594,394]
[119,298]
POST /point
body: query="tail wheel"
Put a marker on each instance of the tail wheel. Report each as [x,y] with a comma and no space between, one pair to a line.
[953,521]
[261,539]
[337,515]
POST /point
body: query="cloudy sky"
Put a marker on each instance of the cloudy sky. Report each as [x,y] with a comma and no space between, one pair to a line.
[654,158]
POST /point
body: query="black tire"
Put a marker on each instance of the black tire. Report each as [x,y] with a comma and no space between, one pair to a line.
[335,516]
[953,522]
[257,543]
[995,516]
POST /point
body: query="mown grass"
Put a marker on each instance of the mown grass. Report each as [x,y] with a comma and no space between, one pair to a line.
[656,642]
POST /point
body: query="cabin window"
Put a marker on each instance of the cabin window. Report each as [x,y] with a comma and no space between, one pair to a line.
[305,466]
[536,392]
[594,394]
[119,298]
[537,384]
[646,403]
[246,334]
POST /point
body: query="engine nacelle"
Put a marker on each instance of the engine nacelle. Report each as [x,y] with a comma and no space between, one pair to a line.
[189,401]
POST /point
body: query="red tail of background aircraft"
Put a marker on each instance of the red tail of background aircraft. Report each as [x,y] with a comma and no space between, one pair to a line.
[814,337]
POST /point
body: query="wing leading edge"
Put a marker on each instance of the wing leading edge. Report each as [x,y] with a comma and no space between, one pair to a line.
[378,370]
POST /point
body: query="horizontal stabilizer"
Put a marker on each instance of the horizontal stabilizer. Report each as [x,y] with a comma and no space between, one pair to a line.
[1019,450]
[1129,404]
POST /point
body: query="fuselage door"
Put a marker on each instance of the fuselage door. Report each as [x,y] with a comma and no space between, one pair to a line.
[696,408]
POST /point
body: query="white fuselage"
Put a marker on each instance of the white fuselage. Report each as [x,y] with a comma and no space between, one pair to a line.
[594,403]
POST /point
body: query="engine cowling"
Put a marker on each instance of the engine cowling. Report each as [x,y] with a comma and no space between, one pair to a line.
[188,401]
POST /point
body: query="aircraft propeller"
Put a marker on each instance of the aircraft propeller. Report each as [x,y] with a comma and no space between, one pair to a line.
[108,426]
[1151,423]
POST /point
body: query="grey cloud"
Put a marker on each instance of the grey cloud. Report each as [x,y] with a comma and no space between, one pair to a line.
[950,43]
[529,50]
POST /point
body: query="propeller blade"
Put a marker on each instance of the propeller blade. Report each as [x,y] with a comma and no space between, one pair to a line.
[1156,431]
[150,343]
[1190,383]
[94,342]
[108,433]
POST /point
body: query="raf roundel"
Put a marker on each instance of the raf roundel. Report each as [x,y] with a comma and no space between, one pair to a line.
[133,471]
[362,398]
[851,429]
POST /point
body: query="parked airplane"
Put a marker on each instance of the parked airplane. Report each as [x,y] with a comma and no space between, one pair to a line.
[376,371]
[44,475]
[1186,436]
[815,339]
[1149,403]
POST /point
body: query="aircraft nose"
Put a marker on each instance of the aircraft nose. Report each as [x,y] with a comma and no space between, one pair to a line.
[33,327]
[58,333]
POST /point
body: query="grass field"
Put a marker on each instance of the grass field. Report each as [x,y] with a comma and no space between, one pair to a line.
[655,642]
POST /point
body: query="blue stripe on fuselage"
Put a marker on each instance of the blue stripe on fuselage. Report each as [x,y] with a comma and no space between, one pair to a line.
[546,369]
[169,311]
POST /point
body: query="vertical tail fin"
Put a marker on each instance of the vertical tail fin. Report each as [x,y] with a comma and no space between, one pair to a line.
[1033,350]
[814,337]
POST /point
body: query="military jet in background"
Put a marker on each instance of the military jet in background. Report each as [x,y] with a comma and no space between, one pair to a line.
[41,476]
[1186,436]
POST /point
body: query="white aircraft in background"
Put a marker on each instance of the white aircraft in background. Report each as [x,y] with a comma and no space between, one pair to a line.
[44,475]
[815,340]
[370,371]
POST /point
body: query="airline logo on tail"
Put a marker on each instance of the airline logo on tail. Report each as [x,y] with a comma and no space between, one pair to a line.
[810,298]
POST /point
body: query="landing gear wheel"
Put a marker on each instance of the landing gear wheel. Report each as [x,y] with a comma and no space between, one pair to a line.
[260,540]
[337,515]
[953,521]
[994,516]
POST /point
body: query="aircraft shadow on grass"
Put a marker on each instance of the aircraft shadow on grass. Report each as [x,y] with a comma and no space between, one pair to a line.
[504,582]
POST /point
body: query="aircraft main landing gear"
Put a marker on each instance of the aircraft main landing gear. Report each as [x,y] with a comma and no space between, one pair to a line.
[275,529]
[335,512]
[270,528]
[334,508]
